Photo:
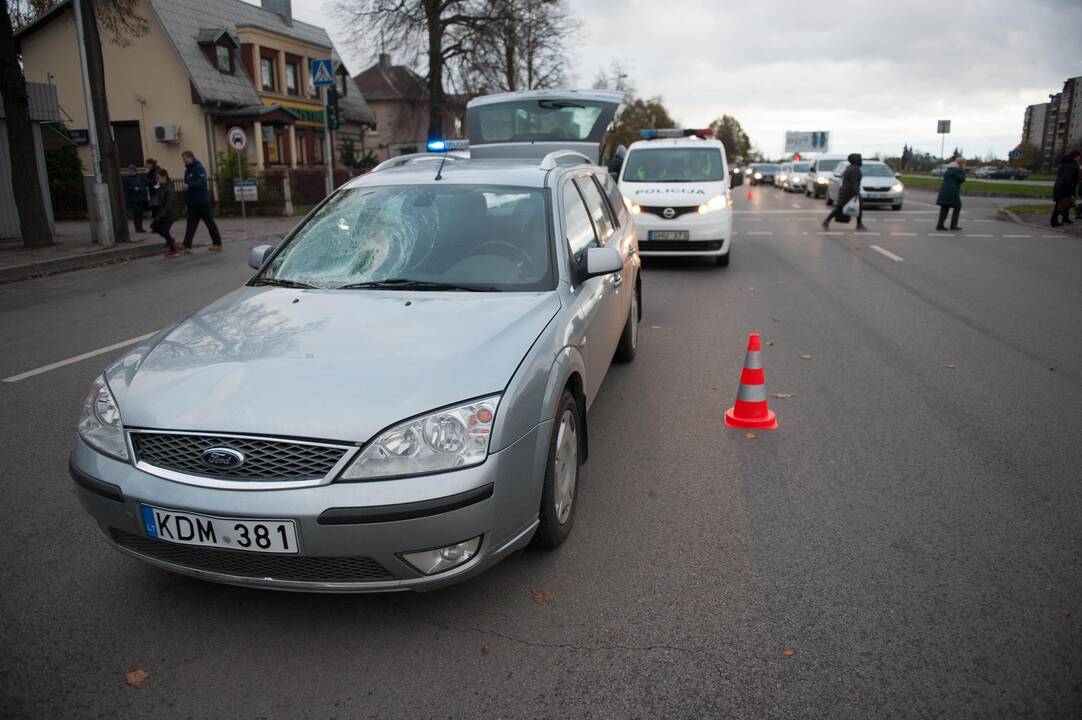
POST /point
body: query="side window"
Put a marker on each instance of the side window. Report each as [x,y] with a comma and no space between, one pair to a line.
[616,200]
[595,204]
[580,231]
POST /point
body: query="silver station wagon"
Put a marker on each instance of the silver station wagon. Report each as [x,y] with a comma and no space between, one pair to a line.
[398,398]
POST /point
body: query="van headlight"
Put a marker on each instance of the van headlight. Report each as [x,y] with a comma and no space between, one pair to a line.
[100,425]
[449,439]
[898,187]
[718,202]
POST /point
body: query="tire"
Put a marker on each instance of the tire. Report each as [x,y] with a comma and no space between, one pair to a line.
[723,260]
[896,207]
[629,339]
[551,529]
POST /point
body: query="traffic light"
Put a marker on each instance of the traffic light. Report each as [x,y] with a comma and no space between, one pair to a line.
[333,117]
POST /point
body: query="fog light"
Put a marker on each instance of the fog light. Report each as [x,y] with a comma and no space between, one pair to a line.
[437,560]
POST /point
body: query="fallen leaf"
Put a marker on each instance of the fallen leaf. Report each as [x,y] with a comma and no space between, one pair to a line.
[136,677]
[541,597]
[805,356]
[1066,613]
[484,649]
[788,652]
[770,343]
[782,396]
[951,366]
[750,436]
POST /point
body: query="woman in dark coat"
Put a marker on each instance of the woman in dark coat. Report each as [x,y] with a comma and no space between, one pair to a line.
[1063,192]
[950,193]
[850,189]
[165,214]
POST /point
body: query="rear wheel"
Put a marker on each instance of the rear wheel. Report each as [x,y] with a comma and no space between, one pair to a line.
[629,340]
[557,512]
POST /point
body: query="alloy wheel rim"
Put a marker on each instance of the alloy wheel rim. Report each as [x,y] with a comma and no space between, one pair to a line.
[567,466]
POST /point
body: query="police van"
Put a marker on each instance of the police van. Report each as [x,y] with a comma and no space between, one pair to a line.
[680,191]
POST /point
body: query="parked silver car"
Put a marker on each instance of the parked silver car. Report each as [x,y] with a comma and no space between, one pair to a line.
[398,397]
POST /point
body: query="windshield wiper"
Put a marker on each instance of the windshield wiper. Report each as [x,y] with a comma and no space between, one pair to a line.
[281,282]
[409,284]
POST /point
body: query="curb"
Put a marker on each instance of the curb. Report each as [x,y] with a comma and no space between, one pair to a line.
[1008,216]
[981,193]
[79,262]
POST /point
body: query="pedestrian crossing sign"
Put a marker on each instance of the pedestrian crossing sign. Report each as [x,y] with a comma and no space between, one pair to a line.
[322,72]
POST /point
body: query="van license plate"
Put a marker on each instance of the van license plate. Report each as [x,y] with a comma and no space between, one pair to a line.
[668,235]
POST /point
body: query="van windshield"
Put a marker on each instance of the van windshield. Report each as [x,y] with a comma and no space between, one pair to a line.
[673,165]
[468,237]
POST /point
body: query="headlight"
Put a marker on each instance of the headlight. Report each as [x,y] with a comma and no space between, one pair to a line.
[758,176]
[444,440]
[898,187]
[820,181]
[715,203]
[636,209]
[100,425]
[784,177]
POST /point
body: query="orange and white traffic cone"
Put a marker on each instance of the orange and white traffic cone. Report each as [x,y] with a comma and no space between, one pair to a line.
[749,192]
[750,409]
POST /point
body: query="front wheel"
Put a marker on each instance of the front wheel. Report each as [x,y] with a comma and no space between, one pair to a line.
[629,340]
[896,207]
[557,512]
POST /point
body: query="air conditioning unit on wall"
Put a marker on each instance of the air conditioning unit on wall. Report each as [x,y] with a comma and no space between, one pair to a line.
[167,133]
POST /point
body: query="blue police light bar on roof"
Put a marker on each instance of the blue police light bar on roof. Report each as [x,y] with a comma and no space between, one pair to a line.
[440,145]
[655,134]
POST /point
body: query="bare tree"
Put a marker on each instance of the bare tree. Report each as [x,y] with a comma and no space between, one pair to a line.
[446,26]
[522,45]
[33,222]
[23,12]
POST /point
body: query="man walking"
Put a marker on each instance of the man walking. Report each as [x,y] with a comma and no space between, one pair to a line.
[850,189]
[1063,192]
[950,193]
[197,199]
[135,196]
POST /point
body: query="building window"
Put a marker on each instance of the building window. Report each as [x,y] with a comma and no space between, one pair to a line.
[292,79]
[317,148]
[267,74]
[302,147]
[340,84]
[225,58]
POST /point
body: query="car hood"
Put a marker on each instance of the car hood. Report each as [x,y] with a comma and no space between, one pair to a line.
[866,182]
[326,364]
[666,194]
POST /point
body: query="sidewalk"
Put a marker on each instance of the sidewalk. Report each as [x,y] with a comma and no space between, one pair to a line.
[74,250]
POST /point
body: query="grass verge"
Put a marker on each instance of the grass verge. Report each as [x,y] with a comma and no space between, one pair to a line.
[1030,208]
[985,188]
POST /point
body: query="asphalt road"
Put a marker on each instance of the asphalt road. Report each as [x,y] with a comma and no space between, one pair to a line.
[906,544]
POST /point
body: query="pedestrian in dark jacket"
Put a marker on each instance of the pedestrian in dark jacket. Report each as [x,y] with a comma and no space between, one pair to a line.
[617,162]
[1063,192]
[850,189]
[165,214]
[135,196]
[950,193]
[152,184]
[197,199]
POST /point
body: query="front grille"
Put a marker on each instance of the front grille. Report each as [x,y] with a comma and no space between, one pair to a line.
[264,459]
[299,568]
[877,189]
[658,210]
[679,245]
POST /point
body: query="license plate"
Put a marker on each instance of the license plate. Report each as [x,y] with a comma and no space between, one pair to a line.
[668,235]
[269,536]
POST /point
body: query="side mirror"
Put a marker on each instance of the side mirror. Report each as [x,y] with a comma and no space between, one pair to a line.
[737,179]
[258,254]
[603,261]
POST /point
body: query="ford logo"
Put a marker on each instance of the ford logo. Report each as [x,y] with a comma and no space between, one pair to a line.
[669,213]
[222,457]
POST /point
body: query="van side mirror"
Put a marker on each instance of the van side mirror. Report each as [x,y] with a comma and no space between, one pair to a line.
[258,254]
[736,179]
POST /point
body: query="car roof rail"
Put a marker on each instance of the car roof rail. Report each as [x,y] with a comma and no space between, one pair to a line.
[406,159]
[550,161]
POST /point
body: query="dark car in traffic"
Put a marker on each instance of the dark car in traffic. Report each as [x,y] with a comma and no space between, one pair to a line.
[763,173]
[1010,173]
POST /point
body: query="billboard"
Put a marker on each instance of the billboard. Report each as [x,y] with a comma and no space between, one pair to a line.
[814,141]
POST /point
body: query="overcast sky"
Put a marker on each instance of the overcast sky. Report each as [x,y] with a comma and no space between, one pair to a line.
[875,74]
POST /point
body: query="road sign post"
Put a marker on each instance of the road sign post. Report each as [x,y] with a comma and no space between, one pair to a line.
[323,76]
[238,140]
[943,129]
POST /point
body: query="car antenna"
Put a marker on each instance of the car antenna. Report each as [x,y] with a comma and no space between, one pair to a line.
[439,170]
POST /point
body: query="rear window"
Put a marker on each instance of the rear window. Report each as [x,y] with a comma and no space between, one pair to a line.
[673,164]
[543,120]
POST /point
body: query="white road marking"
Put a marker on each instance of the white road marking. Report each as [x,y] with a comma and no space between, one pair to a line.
[979,235]
[903,234]
[760,232]
[830,232]
[796,205]
[1017,236]
[77,358]
[888,253]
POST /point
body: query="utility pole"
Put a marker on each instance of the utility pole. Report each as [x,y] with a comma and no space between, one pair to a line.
[101,214]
